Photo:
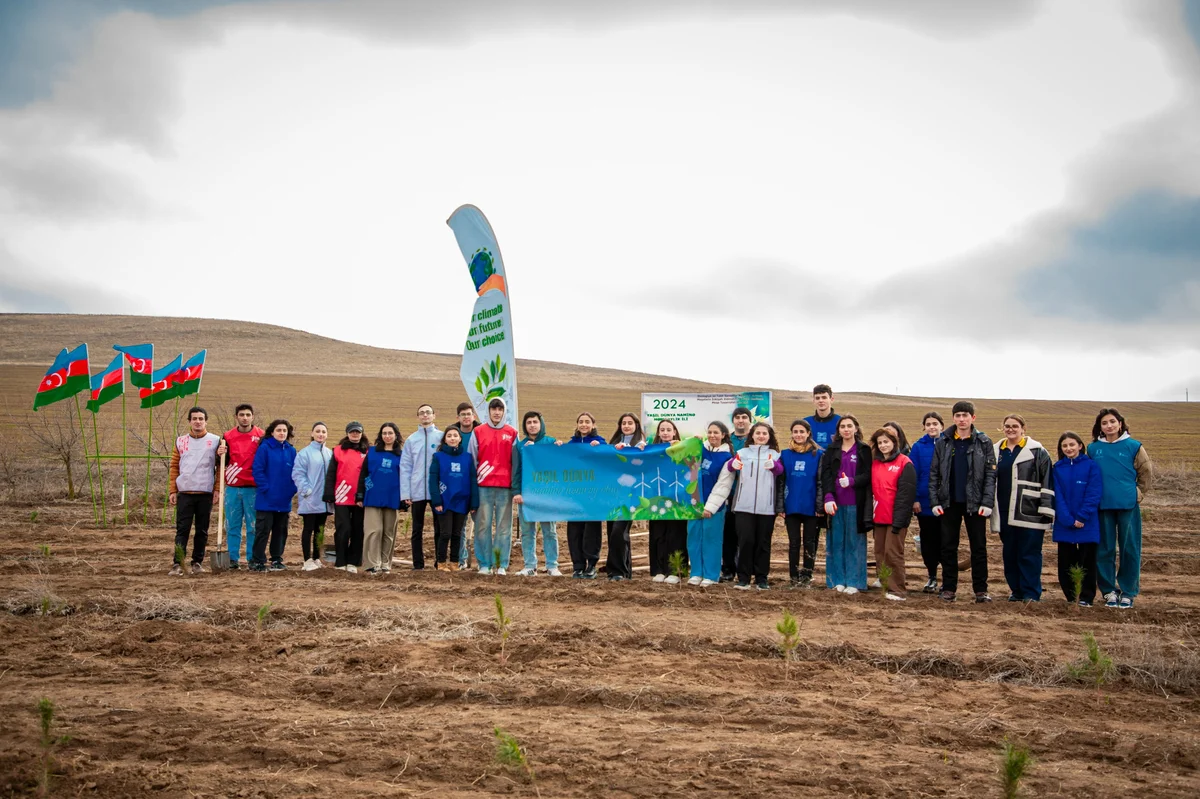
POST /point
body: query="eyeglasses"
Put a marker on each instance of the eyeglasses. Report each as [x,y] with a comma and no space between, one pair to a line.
[1012,427]
[425,413]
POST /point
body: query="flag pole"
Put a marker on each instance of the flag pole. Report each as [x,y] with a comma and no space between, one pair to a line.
[100,473]
[146,493]
[86,461]
[167,498]
[124,458]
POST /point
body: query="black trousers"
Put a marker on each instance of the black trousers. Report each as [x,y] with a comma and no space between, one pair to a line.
[308,536]
[955,516]
[803,533]
[1083,555]
[583,540]
[666,538]
[447,534]
[191,508]
[273,525]
[348,535]
[931,543]
[729,546]
[418,532]
[754,545]
[620,560]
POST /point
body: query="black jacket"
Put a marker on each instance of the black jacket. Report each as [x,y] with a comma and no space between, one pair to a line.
[981,471]
[906,492]
[831,467]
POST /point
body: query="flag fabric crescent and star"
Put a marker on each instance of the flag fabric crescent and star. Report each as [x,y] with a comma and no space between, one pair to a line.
[162,385]
[66,377]
[108,385]
[140,358]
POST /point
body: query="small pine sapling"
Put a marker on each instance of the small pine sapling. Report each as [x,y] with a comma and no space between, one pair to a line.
[1097,669]
[496,561]
[789,635]
[319,544]
[47,743]
[503,628]
[511,755]
[884,573]
[263,613]
[44,551]
[1077,573]
[33,516]
[179,556]
[676,563]
[1015,762]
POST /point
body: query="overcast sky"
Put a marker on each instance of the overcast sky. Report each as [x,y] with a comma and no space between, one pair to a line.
[934,198]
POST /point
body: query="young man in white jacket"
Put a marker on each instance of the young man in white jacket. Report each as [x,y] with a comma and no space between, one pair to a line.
[415,458]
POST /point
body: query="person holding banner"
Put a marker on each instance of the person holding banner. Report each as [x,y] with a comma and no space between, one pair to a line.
[667,536]
[757,499]
[379,484]
[453,493]
[341,489]
[729,548]
[849,504]
[273,463]
[308,473]
[535,435]
[801,495]
[583,538]
[192,475]
[620,557]
[240,492]
[492,447]
[706,536]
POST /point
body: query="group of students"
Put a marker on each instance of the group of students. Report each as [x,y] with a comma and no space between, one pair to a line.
[827,477]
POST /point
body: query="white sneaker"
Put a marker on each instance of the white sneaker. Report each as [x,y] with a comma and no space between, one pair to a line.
[352,569]
[310,565]
[500,571]
[555,572]
[660,578]
[340,568]
[484,570]
[895,597]
[672,580]
[851,590]
[527,573]
[705,583]
[876,584]
[695,581]
[839,588]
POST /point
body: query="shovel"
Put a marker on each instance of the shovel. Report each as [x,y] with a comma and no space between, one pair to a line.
[219,559]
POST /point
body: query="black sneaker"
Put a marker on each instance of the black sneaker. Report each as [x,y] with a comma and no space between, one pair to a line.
[742,586]
[727,577]
[277,566]
[805,579]
[257,567]
[616,578]
[578,575]
[930,587]
[947,596]
[762,586]
[233,565]
[589,573]
[983,596]
[1015,598]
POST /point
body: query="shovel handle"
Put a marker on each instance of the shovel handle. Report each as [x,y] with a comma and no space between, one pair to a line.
[221,506]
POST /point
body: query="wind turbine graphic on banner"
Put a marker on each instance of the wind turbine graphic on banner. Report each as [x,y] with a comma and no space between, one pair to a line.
[675,484]
[642,484]
[659,480]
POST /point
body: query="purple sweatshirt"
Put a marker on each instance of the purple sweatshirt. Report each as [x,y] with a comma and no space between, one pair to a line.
[845,496]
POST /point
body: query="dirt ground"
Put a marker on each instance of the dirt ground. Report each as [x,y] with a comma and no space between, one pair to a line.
[392,686]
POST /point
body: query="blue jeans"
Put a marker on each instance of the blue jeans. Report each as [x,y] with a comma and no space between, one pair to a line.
[239,509]
[705,538]
[529,543]
[495,510]
[845,550]
[1120,530]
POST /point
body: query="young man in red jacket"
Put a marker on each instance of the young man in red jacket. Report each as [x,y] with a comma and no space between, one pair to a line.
[240,490]
[492,445]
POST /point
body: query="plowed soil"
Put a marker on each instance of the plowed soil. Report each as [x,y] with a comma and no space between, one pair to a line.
[392,686]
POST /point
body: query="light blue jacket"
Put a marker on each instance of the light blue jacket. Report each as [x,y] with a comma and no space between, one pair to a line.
[308,474]
[415,460]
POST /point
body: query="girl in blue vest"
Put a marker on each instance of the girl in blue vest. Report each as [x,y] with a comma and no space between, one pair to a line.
[453,493]
[929,539]
[706,536]
[1126,470]
[801,461]
[379,483]
[272,470]
[1078,487]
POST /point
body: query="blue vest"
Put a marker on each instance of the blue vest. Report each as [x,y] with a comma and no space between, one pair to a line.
[383,479]
[823,432]
[1116,466]
[454,480]
[800,490]
[711,465]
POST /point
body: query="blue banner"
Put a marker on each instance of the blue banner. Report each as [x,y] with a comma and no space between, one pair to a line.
[579,482]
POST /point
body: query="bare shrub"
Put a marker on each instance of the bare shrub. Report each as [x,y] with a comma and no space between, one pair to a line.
[36,601]
[149,607]
[419,623]
[1162,665]
[1174,483]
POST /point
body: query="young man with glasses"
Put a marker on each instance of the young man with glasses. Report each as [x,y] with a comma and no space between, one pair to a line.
[418,452]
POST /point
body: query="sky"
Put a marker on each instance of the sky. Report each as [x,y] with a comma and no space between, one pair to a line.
[933,198]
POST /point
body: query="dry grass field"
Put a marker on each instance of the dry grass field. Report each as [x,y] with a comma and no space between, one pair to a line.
[393,686]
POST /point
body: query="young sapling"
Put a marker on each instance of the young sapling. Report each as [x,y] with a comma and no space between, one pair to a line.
[47,743]
[510,753]
[263,613]
[1076,574]
[789,634]
[503,628]
[1097,669]
[884,573]
[1014,764]
[179,555]
[677,566]
[44,551]
[319,544]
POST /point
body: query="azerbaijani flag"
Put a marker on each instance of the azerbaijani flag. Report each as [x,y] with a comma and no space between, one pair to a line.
[65,378]
[162,385]
[108,385]
[187,379]
[141,363]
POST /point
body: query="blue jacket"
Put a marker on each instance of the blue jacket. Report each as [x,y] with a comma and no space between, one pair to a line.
[921,456]
[577,439]
[380,479]
[415,460]
[308,473]
[272,470]
[518,461]
[1117,461]
[710,468]
[801,472]
[1078,487]
[824,432]
[452,481]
